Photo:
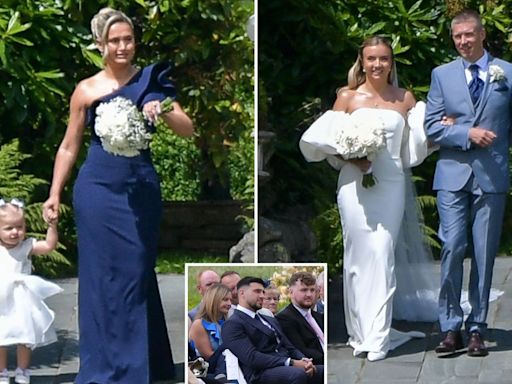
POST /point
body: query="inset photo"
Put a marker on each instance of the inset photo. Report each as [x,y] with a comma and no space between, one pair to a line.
[256,323]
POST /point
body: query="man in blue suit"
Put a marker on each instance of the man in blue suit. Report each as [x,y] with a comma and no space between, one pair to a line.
[264,352]
[471,177]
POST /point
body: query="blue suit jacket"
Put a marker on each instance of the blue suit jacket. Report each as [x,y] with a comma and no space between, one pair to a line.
[458,157]
[255,345]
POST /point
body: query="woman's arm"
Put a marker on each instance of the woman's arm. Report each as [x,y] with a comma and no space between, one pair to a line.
[201,340]
[67,152]
[178,121]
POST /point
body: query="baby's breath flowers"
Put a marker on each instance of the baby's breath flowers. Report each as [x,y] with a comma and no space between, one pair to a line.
[121,127]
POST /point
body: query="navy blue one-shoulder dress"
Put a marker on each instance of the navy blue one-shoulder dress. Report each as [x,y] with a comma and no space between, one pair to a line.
[117,204]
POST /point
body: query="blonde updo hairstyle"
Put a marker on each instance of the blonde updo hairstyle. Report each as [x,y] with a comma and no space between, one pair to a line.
[356,75]
[101,23]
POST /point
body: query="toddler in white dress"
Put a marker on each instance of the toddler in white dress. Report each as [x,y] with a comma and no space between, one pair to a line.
[25,320]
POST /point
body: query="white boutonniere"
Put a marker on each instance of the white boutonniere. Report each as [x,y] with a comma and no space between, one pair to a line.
[496,72]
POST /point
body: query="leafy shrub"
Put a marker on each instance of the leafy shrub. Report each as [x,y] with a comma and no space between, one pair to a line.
[177,161]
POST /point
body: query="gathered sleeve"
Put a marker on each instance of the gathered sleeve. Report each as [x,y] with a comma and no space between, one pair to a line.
[156,83]
[318,142]
[415,148]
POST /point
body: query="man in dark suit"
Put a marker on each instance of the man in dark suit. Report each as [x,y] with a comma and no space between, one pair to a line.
[303,327]
[264,352]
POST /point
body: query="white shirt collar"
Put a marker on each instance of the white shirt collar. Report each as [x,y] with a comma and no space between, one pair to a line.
[246,311]
[302,311]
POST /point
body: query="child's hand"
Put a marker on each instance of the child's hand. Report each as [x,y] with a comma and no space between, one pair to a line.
[52,222]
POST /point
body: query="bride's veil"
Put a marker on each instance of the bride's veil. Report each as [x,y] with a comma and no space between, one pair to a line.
[417,283]
[417,280]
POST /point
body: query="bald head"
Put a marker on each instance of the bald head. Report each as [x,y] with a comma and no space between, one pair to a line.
[205,279]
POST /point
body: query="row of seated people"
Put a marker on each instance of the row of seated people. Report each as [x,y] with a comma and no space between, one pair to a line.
[287,348]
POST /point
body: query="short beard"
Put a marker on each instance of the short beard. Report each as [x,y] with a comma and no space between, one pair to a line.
[255,307]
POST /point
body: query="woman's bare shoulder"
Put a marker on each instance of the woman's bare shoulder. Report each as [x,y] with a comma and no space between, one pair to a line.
[89,89]
[344,96]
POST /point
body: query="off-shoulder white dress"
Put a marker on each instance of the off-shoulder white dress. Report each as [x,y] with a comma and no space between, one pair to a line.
[371,220]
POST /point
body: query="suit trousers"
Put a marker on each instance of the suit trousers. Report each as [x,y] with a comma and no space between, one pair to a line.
[291,375]
[461,213]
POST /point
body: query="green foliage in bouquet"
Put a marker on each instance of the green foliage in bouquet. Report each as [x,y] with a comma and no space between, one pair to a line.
[13,183]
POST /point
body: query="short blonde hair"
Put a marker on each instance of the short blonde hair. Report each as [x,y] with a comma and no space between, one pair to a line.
[101,23]
[11,209]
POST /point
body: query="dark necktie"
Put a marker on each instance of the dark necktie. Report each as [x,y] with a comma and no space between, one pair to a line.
[476,84]
[267,324]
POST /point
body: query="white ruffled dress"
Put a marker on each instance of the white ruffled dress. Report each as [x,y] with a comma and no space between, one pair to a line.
[24,316]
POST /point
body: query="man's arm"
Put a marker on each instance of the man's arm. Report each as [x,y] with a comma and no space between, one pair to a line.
[454,136]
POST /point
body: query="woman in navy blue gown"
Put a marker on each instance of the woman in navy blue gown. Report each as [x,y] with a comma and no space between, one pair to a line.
[117,204]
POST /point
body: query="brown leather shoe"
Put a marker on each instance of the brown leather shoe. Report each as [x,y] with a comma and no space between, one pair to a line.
[476,345]
[451,342]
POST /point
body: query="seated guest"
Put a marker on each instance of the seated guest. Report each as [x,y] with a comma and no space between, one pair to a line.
[204,280]
[320,301]
[302,326]
[264,353]
[230,279]
[270,301]
[205,330]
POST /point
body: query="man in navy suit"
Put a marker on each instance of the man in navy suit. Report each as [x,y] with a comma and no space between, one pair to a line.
[472,175]
[264,352]
[303,326]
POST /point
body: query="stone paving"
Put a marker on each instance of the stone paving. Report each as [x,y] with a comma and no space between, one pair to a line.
[414,362]
[58,363]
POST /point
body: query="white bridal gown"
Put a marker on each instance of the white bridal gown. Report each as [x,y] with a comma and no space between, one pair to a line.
[371,220]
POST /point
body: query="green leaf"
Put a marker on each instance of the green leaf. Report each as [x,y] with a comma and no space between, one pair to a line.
[2,53]
[21,40]
[55,74]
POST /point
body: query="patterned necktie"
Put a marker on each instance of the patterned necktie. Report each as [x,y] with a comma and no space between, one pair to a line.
[476,85]
[316,328]
[268,325]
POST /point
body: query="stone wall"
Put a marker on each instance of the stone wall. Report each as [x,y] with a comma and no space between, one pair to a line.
[210,226]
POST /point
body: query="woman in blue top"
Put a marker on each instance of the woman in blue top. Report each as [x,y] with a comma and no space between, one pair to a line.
[205,330]
[117,204]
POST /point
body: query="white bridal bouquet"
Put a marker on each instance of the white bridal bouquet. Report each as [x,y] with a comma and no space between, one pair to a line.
[121,126]
[337,134]
[359,138]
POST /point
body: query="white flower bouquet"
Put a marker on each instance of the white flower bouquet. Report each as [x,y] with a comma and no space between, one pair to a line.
[121,127]
[360,138]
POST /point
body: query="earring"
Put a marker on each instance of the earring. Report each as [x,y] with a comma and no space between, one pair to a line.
[364,70]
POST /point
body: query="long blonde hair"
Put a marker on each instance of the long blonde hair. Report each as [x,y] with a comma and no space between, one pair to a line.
[356,76]
[209,309]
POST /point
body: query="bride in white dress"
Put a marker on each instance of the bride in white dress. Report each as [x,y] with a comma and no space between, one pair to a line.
[371,217]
